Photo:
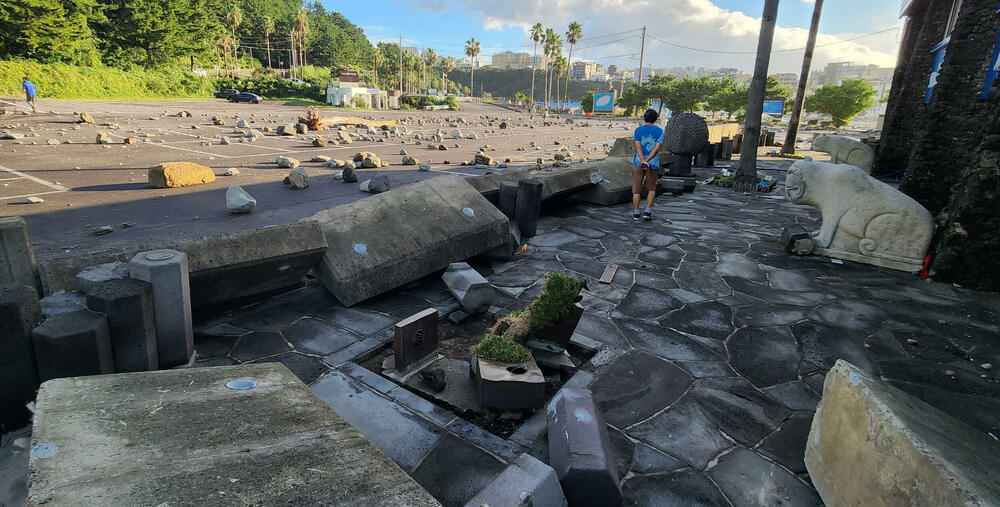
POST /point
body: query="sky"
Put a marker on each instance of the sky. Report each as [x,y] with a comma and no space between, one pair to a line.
[716,33]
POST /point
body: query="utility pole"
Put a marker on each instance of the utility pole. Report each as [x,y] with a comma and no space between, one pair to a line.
[746,175]
[642,52]
[291,40]
[400,64]
[800,95]
[375,60]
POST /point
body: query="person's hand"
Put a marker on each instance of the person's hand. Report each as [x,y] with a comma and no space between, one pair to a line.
[644,165]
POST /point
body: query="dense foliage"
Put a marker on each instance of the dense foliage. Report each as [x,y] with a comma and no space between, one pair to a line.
[557,298]
[842,102]
[698,94]
[508,82]
[499,348]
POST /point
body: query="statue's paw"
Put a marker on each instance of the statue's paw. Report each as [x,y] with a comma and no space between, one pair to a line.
[814,233]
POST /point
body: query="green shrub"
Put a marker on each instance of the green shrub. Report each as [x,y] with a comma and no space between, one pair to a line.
[66,81]
[498,348]
[552,305]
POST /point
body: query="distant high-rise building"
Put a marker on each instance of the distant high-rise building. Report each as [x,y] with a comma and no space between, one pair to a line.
[789,80]
[612,70]
[511,60]
[411,50]
[583,70]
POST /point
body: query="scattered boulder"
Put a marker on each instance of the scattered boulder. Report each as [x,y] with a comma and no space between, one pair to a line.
[483,159]
[232,171]
[179,174]
[224,140]
[102,138]
[424,167]
[34,200]
[238,200]
[345,138]
[242,124]
[183,114]
[407,160]
[442,147]
[301,128]
[254,135]
[319,142]
[349,174]
[287,162]
[367,159]
[128,140]
[503,125]
[54,142]
[12,135]
[218,121]
[435,379]
[320,158]
[86,118]
[376,185]
[335,163]
[286,130]
[299,178]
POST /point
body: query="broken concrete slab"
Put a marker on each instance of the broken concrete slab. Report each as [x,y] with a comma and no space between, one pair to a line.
[73,344]
[19,314]
[580,449]
[472,291]
[918,454]
[193,436]
[526,481]
[555,181]
[224,267]
[615,185]
[92,276]
[17,259]
[390,239]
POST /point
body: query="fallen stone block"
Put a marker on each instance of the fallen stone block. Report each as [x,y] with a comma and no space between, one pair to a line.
[614,181]
[179,174]
[62,302]
[555,181]
[17,259]
[19,314]
[508,250]
[164,434]
[873,444]
[167,272]
[472,291]
[349,175]
[287,162]
[526,481]
[508,386]
[528,206]
[299,178]
[128,304]
[580,450]
[239,200]
[73,344]
[390,239]
[92,276]
[376,185]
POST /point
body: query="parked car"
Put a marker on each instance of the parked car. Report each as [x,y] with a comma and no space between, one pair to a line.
[297,81]
[225,94]
[246,97]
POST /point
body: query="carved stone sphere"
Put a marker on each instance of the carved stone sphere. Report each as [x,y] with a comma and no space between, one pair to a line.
[686,134]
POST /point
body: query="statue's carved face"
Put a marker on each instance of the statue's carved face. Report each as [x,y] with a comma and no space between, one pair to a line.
[795,185]
[819,143]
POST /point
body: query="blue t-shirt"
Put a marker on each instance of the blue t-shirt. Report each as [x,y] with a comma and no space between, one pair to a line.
[29,88]
[648,137]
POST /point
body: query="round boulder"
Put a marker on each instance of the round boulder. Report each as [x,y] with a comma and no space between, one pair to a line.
[686,134]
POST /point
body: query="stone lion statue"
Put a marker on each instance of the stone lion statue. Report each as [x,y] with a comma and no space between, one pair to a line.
[844,150]
[864,220]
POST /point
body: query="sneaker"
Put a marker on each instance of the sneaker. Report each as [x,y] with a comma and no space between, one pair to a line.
[635,215]
[647,215]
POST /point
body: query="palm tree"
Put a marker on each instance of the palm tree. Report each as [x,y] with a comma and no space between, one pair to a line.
[472,50]
[449,65]
[430,58]
[746,174]
[788,148]
[556,43]
[550,38]
[573,35]
[268,32]
[300,30]
[537,34]
[234,18]
[559,68]
[223,45]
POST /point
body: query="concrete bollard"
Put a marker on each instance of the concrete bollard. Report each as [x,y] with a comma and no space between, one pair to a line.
[92,276]
[19,314]
[167,271]
[17,260]
[580,450]
[72,345]
[472,291]
[128,304]
[528,206]
[507,198]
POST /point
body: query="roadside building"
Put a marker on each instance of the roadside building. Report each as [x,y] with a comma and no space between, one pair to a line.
[941,132]
[582,70]
[346,90]
[511,60]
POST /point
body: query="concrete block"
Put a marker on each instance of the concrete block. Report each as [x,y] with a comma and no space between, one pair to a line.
[873,444]
[528,206]
[19,314]
[797,240]
[222,267]
[472,291]
[63,302]
[167,272]
[128,305]
[183,437]
[72,345]
[92,276]
[580,450]
[615,186]
[526,481]
[17,260]
[506,251]
[556,181]
[671,185]
[509,386]
[507,198]
[390,239]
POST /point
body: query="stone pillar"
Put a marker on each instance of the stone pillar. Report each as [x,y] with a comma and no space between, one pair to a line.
[507,198]
[528,206]
[19,314]
[580,449]
[128,304]
[17,260]
[72,345]
[167,271]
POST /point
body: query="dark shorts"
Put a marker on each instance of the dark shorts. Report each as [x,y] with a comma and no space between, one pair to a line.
[644,178]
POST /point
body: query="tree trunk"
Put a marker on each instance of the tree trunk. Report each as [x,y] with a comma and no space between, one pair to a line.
[472,79]
[569,65]
[534,58]
[269,52]
[746,175]
[800,95]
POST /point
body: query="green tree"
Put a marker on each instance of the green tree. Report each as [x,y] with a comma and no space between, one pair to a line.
[633,99]
[587,102]
[659,88]
[472,49]
[47,31]
[687,94]
[573,35]
[520,98]
[268,33]
[730,97]
[773,90]
[842,102]
[537,35]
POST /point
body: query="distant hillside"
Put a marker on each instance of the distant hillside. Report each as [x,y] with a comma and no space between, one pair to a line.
[507,82]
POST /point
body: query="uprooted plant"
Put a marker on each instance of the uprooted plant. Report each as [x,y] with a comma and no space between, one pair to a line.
[557,298]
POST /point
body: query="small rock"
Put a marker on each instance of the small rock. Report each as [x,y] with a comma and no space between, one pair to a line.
[287,162]
[285,130]
[238,200]
[34,200]
[376,185]
[349,174]
[86,118]
[104,229]
[320,158]
[102,138]
[319,142]
[131,140]
[224,140]
[299,178]
[232,171]
[986,366]
[52,141]
[408,160]
[424,167]
[335,163]
[435,379]
[301,128]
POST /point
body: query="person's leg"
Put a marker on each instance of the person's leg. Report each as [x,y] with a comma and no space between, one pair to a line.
[637,187]
[652,178]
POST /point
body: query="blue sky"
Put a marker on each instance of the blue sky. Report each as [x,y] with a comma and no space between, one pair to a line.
[718,25]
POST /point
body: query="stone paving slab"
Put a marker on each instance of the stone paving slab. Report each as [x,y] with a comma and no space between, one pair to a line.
[181,436]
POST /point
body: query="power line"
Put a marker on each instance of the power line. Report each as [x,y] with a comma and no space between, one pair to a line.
[689,48]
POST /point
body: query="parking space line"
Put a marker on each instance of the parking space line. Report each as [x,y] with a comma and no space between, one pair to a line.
[51,185]
[31,195]
[8,179]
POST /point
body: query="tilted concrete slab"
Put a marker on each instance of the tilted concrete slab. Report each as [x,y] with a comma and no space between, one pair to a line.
[223,267]
[873,444]
[556,181]
[615,186]
[181,437]
[390,239]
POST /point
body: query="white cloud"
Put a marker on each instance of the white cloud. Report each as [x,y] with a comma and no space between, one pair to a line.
[694,23]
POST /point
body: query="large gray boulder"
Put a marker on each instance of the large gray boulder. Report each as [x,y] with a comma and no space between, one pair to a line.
[873,444]
[685,134]
[238,200]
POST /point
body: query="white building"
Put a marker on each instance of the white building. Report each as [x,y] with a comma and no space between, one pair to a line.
[343,93]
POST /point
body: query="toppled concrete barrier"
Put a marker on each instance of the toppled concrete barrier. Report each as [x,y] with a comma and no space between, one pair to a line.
[526,481]
[615,184]
[224,267]
[873,444]
[390,239]
[204,436]
[179,174]
[555,181]
[580,450]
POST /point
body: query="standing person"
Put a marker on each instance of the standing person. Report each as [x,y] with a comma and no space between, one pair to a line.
[646,170]
[29,93]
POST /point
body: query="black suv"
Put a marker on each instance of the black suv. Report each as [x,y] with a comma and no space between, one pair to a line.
[225,94]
